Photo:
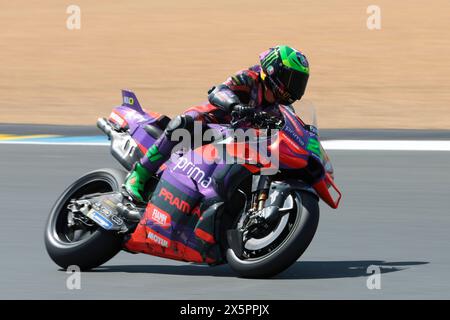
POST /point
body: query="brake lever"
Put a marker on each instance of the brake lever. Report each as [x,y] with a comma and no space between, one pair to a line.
[235,120]
[235,123]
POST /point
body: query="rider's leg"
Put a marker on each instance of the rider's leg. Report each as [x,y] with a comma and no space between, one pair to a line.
[156,155]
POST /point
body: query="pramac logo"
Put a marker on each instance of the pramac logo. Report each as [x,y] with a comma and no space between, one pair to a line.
[174,201]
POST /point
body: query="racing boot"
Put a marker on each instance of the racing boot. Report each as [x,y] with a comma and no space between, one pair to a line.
[146,168]
[156,155]
[135,182]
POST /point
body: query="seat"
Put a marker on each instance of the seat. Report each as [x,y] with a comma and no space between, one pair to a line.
[153,131]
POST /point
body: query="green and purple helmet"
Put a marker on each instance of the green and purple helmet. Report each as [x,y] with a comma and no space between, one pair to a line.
[286,71]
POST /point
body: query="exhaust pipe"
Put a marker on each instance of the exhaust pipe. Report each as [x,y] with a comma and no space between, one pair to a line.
[123,146]
[105,126]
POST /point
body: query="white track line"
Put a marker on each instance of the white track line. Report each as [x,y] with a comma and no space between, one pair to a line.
[106,143]
[376,145]
[388,145]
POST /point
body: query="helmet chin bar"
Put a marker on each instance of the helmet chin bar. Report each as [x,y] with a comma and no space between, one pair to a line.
[281,95]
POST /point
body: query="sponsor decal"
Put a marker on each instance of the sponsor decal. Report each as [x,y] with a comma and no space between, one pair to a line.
[193,172]
[294,135]
[117,119]
[197,211]
[158,239]
[159,216]
[314,147]
[104,216]
[128,100]
[101,220]
[174,201]
[312,129]
[291,143]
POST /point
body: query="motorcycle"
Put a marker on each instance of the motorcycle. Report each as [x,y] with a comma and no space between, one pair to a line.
[208,212]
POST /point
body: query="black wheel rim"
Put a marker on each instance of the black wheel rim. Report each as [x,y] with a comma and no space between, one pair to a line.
[81,231]
[293,219]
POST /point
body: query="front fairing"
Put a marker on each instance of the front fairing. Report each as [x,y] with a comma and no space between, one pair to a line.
[315,147]
[307,136]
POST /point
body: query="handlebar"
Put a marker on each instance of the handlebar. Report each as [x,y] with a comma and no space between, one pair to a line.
[261,119]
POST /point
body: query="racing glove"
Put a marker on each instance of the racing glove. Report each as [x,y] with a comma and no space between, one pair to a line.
[241,111]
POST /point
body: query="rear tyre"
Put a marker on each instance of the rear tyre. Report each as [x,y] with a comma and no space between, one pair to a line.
[289,245]
[86,245]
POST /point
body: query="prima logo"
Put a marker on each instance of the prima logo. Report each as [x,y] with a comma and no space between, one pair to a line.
[193,172]
[294,135]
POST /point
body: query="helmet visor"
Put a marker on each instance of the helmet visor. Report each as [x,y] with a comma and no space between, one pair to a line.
[294,82]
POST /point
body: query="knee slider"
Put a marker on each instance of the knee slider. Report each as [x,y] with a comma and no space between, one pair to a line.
[179,122]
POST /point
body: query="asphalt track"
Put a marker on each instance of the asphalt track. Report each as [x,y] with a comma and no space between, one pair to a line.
[394,214]
[325,134]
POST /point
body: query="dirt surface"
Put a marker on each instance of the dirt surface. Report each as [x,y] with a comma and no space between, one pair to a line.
[170,52]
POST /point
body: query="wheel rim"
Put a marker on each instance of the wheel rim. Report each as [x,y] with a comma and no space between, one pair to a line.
[82,230]
[259,248]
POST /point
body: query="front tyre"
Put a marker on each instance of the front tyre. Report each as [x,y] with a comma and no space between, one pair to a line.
[271,255]
[84,244]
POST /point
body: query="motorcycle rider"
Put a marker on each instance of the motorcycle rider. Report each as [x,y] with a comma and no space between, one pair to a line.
[281,78]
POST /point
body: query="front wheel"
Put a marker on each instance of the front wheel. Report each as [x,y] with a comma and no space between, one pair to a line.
[269,255]
[79,241]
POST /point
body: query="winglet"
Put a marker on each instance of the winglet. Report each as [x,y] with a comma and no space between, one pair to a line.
[129,100]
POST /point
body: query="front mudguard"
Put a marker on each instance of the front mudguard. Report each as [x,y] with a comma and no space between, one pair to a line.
[279,190]
[287,186]
[278,193]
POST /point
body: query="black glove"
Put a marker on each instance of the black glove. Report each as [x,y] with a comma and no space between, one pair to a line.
[242,111]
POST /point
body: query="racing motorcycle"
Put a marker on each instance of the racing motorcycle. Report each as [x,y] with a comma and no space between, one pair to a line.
[198,211]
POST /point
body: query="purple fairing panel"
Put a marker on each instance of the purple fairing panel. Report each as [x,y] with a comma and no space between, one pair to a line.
[201,178]
[191,173]
[135,122]
[132,116]
[173,200]
[174,213]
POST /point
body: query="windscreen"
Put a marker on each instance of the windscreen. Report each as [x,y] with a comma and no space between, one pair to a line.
[306,110]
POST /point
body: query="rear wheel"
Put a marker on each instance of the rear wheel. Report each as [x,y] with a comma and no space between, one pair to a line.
[276,250]
[78,241]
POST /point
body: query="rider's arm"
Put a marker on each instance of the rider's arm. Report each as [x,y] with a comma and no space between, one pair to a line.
[234,91]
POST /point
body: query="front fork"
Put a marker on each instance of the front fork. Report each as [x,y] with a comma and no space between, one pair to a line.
[238,237]
[260,192]
[262,208]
